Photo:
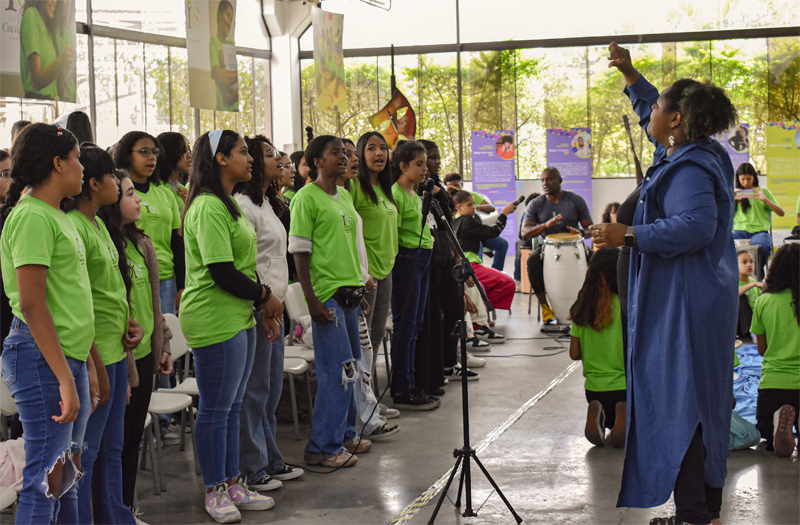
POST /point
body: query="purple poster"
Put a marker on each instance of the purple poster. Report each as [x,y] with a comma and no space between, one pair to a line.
[570,150]
[737,143]
[493,172]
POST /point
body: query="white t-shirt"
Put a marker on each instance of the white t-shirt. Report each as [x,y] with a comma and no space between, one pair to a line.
[271,265]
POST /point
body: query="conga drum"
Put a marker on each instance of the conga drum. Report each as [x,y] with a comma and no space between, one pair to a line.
[564,258]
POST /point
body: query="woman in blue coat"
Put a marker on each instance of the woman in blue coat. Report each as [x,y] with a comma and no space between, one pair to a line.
[681,301]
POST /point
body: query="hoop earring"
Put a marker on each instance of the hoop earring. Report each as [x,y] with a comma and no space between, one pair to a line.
[671,141]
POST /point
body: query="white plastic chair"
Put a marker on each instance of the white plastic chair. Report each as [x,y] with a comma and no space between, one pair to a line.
[307,355]
[179,348]
[295,366]
[148,446]
[8,498]
[296,306]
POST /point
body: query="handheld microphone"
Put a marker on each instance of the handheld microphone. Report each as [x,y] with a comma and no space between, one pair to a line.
[520,200]
[427,196]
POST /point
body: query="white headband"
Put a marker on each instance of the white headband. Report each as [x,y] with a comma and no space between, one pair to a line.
[213,138]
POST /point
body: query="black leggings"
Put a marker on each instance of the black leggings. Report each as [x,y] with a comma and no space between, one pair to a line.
[609,401]
[135,415]
[770,400]
[745,319]
[695,501]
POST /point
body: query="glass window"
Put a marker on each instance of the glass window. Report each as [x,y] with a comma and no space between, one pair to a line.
[163,17]
[157,109]
[181,114]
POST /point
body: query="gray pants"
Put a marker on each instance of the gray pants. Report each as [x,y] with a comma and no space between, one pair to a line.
[380,301]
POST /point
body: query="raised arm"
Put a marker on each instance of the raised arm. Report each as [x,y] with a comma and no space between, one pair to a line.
[641,92]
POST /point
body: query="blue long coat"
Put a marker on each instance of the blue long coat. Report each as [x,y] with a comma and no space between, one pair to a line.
[682,304]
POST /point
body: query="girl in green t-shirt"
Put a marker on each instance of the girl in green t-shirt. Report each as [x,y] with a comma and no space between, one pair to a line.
[752,218]
[409,275]
[749,290]
[597,341]
[776,324]
[140,273]
[115,334]
[137,152]
[299,178]
[43,63]
[172,170]
[45,354]
[374,202]
[217,315]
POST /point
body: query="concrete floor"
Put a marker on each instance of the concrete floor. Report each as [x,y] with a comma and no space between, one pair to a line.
[543,464]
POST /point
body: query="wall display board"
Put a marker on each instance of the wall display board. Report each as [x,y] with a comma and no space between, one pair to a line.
[736,142]
[570,150]
[329,60]
[493,172]
[783,169]
[213,71]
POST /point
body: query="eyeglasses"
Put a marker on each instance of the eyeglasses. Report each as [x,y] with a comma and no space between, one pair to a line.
[147,152]
[5,174]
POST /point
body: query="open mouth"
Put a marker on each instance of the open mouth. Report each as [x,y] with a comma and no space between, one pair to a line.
[150,167]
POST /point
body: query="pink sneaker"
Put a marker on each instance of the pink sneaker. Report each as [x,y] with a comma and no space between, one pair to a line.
[247,499]
[220,506]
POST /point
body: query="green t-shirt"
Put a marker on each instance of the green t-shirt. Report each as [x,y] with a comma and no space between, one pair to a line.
[160,215]
[602,354]
[478,198]
[774,316]
[141,299]
[109,297]
[214,51]
[209,314]
[37,233]
[289,194]
[35,39]
[330,223]
[409,221]
[473,257]
[753,293]
[757,217]
[380,229]
[66,38]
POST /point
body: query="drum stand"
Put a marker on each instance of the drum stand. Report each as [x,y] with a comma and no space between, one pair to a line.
[462,272]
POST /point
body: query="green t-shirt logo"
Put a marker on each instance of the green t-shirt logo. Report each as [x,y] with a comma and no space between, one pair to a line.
[152,211]
[347,221]
[81,251]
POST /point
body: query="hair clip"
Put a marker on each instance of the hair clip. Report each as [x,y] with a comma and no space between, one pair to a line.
[59,129]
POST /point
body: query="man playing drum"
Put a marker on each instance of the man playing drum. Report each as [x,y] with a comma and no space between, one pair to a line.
[556,211]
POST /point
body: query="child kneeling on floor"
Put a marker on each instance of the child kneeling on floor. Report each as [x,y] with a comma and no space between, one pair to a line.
[776,324]
[597,341]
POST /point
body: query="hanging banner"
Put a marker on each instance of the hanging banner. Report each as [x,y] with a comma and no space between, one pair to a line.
[783,169]
[329,60]
[493,172]
[570,151]
[736,142]
[213,71]
[37,50]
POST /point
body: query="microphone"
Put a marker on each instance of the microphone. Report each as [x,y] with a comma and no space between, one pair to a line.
[427,196]
[520,200]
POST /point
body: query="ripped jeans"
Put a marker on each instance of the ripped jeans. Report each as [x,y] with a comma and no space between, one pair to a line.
[337,348]
[366,403]
[36,392]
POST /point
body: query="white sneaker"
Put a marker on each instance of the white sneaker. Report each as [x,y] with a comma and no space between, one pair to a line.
[220,506]
[475,362]
[387,412]
[517,286]
[247,499]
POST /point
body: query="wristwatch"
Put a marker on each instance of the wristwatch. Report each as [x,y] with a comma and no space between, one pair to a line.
[630,237]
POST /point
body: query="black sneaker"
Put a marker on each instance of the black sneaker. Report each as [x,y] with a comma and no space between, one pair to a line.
[456,373]
[264,483]
[415,401]
[484,333]
[384,431]
[476,345]
[437,391]
[287,472]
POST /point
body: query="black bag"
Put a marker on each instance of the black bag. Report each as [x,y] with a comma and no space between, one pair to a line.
[349,296]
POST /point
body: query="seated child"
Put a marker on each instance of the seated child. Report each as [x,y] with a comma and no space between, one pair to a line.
[597,341]
[776,324]
[499,287]
[749,290]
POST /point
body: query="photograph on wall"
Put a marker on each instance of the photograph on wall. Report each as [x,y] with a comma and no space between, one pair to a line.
[213,72]
[736,142]
[37,50]
[505,147]
[329,60]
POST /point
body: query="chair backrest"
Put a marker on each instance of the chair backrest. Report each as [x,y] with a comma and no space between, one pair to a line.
[7,405]
[177,344]
[295,302]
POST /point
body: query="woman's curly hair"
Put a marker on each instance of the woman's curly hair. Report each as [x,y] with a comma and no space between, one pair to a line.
[705,109]
[784,274]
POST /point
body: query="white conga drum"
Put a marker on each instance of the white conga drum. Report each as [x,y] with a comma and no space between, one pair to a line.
[564,258]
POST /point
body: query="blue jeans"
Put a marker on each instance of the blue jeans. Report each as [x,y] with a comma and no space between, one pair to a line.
[222,372]
[337,347]
[258,453]
[36,392]
[409,293]
[100,488]
[500,247]
[764,242]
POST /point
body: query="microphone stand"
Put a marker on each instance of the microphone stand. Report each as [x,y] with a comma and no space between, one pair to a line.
[462,272]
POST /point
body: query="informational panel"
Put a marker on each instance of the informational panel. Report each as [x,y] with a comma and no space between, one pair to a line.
[493,172]
[737,143]
[37,50]
[783,169]
[213,71]
[570,150]
[329,60]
